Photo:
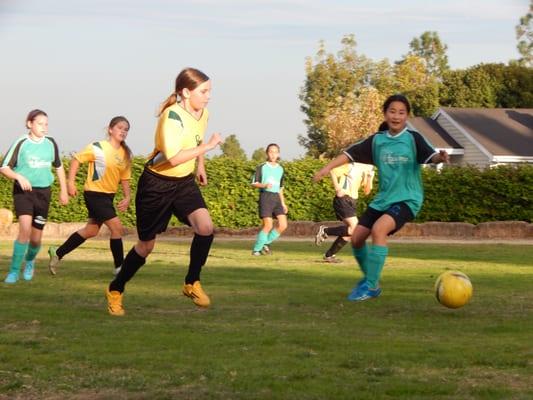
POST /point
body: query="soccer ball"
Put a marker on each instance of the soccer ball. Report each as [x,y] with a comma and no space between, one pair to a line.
[453,289]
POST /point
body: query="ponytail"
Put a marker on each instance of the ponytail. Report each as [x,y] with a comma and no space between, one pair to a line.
[188,78]
[172,99]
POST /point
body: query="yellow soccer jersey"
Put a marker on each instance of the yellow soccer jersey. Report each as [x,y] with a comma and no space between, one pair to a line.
[177,130]
[107,166]
[350,177]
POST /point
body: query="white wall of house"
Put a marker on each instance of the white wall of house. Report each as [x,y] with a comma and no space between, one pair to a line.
[473,155]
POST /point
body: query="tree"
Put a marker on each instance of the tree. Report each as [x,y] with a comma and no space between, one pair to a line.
[421,88]
[472,87]
[524,35]
[430,48]
[232,148]
[328,77]
[259,155]
[353,118]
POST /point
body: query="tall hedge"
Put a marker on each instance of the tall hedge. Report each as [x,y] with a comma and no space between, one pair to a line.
[455,194]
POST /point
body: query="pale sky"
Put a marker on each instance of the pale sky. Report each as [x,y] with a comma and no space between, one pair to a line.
[86,61]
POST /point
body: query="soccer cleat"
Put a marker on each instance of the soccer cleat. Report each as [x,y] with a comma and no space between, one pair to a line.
[266,250]
[256,253]
[54,260]
[12,277]
[28,270]
[332,259]
[197,294]
[114,303]
[321,235]
[362,292]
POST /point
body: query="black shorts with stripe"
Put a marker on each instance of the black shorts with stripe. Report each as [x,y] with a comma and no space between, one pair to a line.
[159,197]
[35,203]
[400,212]
[100,206]
[270,205]
[344,207]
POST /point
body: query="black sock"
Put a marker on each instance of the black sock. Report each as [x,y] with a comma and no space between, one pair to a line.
[75,240]
[336,246]
[341,230]
[199,251]
[130,266]
[117,249]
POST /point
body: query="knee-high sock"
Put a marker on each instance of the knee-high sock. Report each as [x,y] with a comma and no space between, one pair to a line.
[199,251]
[19,250]
[117,249]
[376,260]
[361,255]
[341,230]
[272,235]
[336,246]
[74,241]
[262,238]
[130,266]
[32,252]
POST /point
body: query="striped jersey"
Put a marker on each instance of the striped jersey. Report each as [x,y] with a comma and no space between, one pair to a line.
[398,160]
[177,130]
[33,159]
[107,166]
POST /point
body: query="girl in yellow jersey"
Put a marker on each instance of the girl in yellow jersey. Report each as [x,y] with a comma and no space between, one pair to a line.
[109,165]
[167,186]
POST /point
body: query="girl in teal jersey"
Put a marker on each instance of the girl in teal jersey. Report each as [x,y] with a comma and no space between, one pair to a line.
[28,163]
[397,153]
[268,178]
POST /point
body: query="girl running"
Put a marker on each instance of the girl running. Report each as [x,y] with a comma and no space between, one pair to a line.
[167,186]
[268,178]
[397,152]
[109,165]
[28,163]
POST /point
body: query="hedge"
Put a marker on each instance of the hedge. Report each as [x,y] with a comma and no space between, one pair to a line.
[455,194]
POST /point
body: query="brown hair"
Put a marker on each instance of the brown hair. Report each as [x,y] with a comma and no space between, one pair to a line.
[34,114]
[112,123]
[268,148]
[188,78]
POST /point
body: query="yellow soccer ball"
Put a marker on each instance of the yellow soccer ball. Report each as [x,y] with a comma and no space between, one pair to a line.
[453,289]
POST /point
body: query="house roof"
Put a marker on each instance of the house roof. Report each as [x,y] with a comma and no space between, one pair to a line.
[502,131]
[433,132]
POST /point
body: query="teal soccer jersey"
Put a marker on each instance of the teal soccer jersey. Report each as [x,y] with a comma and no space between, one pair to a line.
[398,160]
[33,160]
[273,174]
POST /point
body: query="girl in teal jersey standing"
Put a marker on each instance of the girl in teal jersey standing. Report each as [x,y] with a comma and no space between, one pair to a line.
[268,178]
[28,163]
[397,152]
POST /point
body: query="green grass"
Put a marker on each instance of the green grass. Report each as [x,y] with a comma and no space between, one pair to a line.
[279,327]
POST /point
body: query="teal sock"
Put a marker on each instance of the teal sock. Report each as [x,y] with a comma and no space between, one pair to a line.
[32,252]
[361,256]
[19,249]
[376,259]
[272,235]
[261,240]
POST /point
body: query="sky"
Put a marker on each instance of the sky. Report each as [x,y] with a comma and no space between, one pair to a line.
[86,61]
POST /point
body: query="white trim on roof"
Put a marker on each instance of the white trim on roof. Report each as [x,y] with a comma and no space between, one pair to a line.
[512,159]
[465,133]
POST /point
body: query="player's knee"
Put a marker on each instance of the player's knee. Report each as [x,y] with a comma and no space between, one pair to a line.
[204,229]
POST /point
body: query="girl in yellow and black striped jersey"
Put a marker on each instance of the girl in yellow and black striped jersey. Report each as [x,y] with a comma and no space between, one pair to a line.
[167,186]
[109,166]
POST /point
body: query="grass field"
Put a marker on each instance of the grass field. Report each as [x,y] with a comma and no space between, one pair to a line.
[279,327]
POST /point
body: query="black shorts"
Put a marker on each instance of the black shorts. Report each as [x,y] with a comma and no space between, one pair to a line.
[35,203]
[159,197]
[270,205]
[400,212]
[345,207]
[100,206]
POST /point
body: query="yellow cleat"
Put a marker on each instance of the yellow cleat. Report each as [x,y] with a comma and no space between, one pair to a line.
[114,303]
[197,294]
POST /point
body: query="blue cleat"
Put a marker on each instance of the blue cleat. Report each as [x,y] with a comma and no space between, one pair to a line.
[12,277]
[362,292]
[28,270]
